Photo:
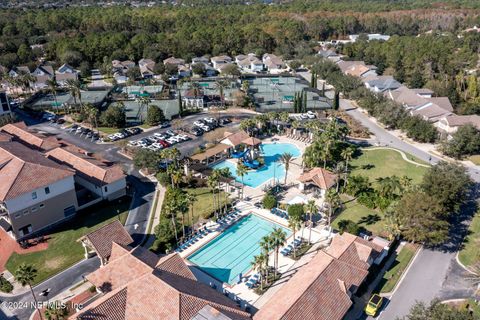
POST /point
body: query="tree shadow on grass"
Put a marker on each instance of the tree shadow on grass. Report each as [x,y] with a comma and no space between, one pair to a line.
[370,219]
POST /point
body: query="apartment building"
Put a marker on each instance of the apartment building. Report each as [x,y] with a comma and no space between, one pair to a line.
[45,181]
[35,192]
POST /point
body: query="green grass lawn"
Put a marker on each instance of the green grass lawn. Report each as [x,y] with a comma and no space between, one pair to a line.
[385,163]
[391,277]
[470,254]
[108,130]
[63,248]
[382,163]
[145,126]
[475,159]
[203,207]
[368,218]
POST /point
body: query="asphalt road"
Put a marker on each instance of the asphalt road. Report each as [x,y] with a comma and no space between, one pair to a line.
[21,306]
[426,278]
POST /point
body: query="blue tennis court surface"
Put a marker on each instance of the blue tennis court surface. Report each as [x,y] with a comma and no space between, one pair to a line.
[232,252]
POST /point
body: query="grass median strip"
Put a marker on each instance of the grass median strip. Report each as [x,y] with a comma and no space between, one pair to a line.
[470,254]
[392,276]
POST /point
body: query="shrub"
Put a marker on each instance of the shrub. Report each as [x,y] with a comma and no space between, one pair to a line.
[269,201]
[368,200]
[5,286]
[163,178]
[348,226]
[295,210]
[155,115]
[114,116]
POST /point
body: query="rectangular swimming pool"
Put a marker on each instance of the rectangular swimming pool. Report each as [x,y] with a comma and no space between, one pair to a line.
[232,252]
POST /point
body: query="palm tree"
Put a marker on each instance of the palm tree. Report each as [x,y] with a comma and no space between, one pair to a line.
[220,85]
[169,207]
[191,199]
[279,237]
[27,79]
[259,262]
[347,155]
[144,102]
[312,208]
[333,200]
[389,186]
[245,86]
[286,158]
[338,170]
[92,114]
[226,174]
[74,88]
[53,89]
[267,245]
[25,275]
[294,223]
[212,182]
[241,172]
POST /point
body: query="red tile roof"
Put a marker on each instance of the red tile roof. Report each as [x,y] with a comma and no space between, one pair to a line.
[136,290]
[322,178]
[23,170]
[320,289]
[20,131]
[93,169]
[102,238]
[235,138]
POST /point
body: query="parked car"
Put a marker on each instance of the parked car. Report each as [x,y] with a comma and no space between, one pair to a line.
[170,132]
[311,115]
[373,306]
[160,135]
[72,128]
[199,123]
[60,121]
[196,131]
[79,130]
[89,134]
[225,121]
[304,116]
[171,141]
[164,143]
[165,124]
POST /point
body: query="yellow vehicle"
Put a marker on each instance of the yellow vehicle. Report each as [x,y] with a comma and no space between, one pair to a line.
[373,305]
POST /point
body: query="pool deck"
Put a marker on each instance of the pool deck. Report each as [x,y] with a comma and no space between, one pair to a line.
[240,291]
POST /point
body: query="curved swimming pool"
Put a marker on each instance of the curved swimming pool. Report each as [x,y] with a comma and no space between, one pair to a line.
[272,168]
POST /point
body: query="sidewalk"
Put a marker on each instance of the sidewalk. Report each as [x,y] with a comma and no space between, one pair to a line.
[156,218]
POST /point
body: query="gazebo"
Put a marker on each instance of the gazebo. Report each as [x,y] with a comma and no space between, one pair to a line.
[319,178]
[218,152]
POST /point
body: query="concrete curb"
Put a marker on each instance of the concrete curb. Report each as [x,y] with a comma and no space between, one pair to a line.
[404,274]
[461,264]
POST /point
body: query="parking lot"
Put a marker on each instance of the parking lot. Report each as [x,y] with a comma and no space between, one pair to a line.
[186,139]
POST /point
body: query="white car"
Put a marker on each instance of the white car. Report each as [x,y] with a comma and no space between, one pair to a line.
[209,119]
[171,141]
[176,138]
[198,123]
[184,137]
[311,115]
[205,128]
[157,145]
[304,116]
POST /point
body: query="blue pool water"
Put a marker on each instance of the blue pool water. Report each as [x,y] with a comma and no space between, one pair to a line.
[232,252]
[271,169]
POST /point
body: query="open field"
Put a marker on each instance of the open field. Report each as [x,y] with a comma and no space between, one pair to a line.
[385,163]
[370,219]
[204,206]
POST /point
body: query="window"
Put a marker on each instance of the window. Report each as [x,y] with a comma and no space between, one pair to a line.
[25,230]
[34,195]
[47,190]
[25,212]
[42,205]
[17,215]
[34,209]
[106,189]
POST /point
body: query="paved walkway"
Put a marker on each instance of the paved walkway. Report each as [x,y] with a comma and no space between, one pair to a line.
[404,156]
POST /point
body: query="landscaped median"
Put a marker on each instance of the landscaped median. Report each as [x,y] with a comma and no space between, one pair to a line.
[398,267]
[64,250]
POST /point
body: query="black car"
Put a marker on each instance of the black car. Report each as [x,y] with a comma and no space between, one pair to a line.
[60,121]
[165,124]
[224,121]
[196,131]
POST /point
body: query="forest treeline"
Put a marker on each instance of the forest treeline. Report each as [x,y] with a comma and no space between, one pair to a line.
[86,37]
